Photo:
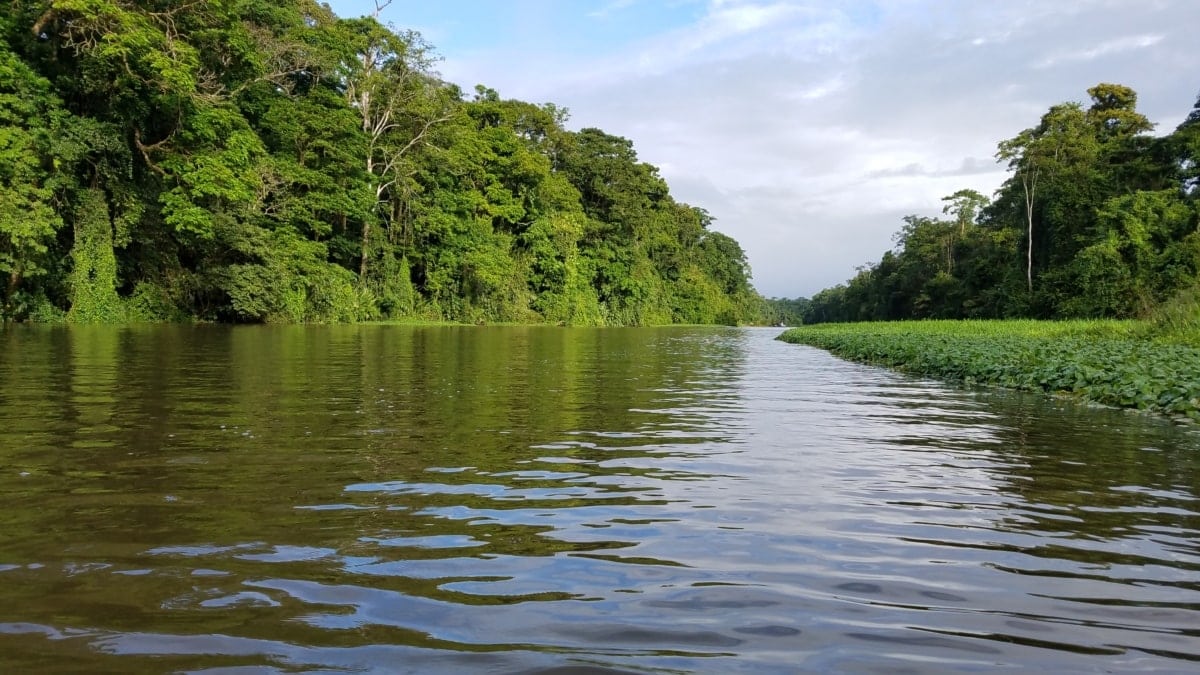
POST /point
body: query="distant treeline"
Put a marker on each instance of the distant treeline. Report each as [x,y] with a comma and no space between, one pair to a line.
[786,311]
[1097,219]
[268,161]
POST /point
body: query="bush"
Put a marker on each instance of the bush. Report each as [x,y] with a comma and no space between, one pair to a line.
[1179,315]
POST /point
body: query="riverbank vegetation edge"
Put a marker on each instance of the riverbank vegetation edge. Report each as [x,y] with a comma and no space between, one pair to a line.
[1127,364]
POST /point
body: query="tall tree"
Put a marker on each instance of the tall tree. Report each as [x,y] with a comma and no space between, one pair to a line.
[388,81]
[28,217]
[965,205]
[1061,140]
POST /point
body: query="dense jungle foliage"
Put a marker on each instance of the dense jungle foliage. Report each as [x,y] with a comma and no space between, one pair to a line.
[268,161]
[1097,219]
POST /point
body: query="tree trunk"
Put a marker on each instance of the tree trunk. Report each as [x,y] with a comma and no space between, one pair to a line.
[14,280]
[366,246]
[1030,185]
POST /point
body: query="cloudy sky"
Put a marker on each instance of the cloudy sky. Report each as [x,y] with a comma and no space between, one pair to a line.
[809,128]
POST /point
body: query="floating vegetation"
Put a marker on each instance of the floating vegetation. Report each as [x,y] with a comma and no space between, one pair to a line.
[1118,363]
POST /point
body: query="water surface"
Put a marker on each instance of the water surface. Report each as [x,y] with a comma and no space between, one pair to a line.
[397,499]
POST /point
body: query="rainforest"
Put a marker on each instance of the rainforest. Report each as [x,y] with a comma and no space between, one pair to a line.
[1098,218]
[1096,231]
[266,161]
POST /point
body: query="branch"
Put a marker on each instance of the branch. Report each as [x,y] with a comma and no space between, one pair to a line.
[44,19]
[147,149]
[421,134]
[379,7]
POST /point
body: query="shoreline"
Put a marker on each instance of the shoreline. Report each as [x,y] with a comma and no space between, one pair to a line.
[1114,363]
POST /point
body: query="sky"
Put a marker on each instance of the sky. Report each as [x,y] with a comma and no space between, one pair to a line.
[810,128]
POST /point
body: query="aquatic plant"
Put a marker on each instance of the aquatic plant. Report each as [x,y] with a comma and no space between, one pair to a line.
[1117,363]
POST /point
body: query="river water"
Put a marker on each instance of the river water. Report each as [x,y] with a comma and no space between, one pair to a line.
[397,499]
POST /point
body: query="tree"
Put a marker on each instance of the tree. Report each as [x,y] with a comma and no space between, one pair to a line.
[28,218]
[1146,250]
[266,161]
[1114,114]
[1184,152]
[1041,152]
[1106,215]
[387,80]
[966,206]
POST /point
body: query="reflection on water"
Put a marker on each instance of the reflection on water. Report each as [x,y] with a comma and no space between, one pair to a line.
[391,499]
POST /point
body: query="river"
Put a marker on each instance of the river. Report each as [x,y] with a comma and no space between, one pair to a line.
[490,499]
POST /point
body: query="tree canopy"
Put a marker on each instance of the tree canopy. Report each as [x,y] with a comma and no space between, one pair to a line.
[255,161]
[1097,219]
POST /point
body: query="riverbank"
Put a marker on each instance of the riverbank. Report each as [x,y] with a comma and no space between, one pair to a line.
[1119,363]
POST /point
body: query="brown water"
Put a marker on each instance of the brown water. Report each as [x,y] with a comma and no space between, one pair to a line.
[395,499]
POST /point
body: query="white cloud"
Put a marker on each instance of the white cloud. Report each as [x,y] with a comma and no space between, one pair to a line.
[818,90]
[1116,46]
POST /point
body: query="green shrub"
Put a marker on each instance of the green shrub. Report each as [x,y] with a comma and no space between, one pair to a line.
[1179,314]
[151,303]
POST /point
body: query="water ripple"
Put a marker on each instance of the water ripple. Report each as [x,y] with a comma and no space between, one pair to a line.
[553,500]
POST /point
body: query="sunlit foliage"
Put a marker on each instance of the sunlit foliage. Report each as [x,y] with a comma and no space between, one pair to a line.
[257,161]
[1097,219]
